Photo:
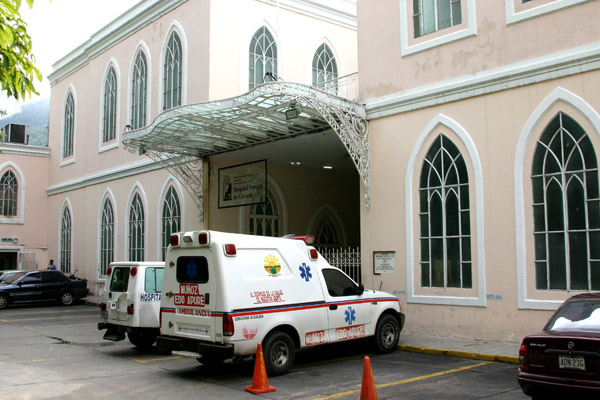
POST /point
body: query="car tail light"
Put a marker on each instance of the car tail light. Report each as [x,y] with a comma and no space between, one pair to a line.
[130,309]
[102,306]
[133,271]
[109,271]
[203,238]
[230,249]
[523,364]
[228,329]
[174,240]
[313,254]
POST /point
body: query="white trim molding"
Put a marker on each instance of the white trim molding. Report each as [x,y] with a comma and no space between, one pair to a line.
[525,301]
[513,15]
[477,184]
[553,66]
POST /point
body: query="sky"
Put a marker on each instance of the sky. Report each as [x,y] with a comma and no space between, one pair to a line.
[58,26]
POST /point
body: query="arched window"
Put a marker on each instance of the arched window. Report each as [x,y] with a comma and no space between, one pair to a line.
[445,232]
[110,106]
[9,190]
[324,69]
[172,73]
[171,218]
[263,57]
[138,91]
[69,126]
[107,236]
[566,208]
[136,229]
[65,242]
[264,217]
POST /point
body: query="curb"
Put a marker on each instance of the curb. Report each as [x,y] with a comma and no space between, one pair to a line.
[459,354]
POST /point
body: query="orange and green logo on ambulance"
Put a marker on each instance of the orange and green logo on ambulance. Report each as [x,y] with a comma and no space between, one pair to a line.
[272,265]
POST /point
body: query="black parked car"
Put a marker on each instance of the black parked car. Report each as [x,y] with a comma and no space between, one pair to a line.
[31,286]
[563,361]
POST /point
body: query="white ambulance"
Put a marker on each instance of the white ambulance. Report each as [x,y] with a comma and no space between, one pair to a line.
[224,293]
[132,302]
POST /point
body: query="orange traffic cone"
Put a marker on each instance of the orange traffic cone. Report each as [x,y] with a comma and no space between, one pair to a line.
[260,383]
[367,390]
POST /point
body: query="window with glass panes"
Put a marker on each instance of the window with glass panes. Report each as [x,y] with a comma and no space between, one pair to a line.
[263,57]
[136,229]
[138,91]
[69,126]
[444,213]
[172,73]
[433,15]
[566,208]
[107,237]
[171,218]
[65,242]
[264,217]
[110,106]
[324,69]
[9,190]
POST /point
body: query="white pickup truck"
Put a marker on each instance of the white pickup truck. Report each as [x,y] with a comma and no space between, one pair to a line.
[224,293]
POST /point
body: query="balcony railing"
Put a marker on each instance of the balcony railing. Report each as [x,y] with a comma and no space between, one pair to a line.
[345,86]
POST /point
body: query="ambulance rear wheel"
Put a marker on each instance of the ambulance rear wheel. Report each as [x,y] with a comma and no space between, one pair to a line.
[279,353]
[387,333]
[142,340]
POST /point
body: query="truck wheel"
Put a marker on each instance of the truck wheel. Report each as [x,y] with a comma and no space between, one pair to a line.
[67,298]
[3,301]
[387,333]
[279,353]
[142,340]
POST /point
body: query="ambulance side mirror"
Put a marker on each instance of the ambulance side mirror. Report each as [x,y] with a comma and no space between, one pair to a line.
[361,289]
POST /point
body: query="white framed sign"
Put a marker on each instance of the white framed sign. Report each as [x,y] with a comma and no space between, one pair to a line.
[384,262]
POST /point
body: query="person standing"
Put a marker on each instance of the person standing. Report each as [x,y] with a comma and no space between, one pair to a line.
[51,265]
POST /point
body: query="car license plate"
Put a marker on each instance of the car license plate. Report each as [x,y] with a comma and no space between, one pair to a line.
[568,362]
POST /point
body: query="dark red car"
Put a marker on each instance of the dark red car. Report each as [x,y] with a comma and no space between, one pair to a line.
[563,361]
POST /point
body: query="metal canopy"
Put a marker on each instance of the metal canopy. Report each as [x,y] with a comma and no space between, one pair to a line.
[181,137]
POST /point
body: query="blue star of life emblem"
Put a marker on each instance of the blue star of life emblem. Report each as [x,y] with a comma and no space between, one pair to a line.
[350,315]
[192,270]
[305,272]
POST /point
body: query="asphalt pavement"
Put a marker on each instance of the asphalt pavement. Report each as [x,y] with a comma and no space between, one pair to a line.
[438,345]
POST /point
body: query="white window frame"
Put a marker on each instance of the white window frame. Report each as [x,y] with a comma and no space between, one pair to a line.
[66,160]
[406,13]
[526,299]
[177,28]
[477,235]
[141,49]
[113,143]
[19,219]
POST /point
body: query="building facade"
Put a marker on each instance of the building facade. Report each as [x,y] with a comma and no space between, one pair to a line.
[484,136]
[466,171]
[111,202]
[23,215]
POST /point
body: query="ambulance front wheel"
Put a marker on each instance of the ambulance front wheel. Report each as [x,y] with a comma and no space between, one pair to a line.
[143,340]
[387,333]
[279,353]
